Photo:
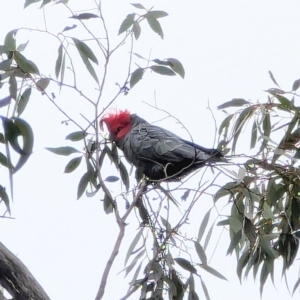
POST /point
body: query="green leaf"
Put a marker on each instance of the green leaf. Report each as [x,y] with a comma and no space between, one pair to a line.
[213,271]
[273,78]
[42,84]
[254,135]
[233,103]
[127,23]
[76,136]
[286,103]
[162,70]
[63,150]
[73,164]
[124,175]
[27,66]
[10,40]
[108,204]
[185,195]
[45,2]
[240,122]
[296,85]
[155,25]
[176,66]
[234,241]
[156,14]
[203,226]
[225,124]
[11,133]
[85,179]
[22,47]
[5,64]
[13,87]
[84,16]
[4,161]
[28,2]
[112,179]
[138,5]
[23,101]
[185,264]
[136,30]
[242,263]
[58,60]
[133,245]
[67,28]
[136,76]
[225,190]
[85,50]
[28,139]
[205,290]
[88,65]
[4,198]
[201,253]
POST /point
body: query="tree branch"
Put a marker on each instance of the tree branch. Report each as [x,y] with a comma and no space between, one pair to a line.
[17,279]
[115,252]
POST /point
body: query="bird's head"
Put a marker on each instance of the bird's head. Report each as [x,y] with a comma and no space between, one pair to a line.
[118,124]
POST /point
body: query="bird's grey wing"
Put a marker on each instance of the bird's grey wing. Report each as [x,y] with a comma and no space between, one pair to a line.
[159,145]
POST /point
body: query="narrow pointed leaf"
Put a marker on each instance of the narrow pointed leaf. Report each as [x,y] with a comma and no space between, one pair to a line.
[67,28]
[156,14]
[112,179]
[138,5]
[203,226]
[10,40]
[108,204]
[84,49]
[28,139]
[136,30]
[73,164]
[213,272]
[233,103]
[4,161]
[23,101]
[133,245]
[201,253]
[4,198]
[296,85]
[89,66]
[176,66]
[127,23]
[83,183]
[162,70]
[84,16]
[58,60]
[42,84]
[76,136]
[63,150]
[185,264]
[124,175]
[136,76]
[5,64]
[205,290]
[27,66]
[254,135]
[28,2]
[22,47]
[155,25]
[13,87]
[273,78]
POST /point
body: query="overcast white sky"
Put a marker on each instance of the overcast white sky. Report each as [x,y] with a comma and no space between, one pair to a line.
[227,49]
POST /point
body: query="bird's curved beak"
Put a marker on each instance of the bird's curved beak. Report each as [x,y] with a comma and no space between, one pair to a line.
[101,123]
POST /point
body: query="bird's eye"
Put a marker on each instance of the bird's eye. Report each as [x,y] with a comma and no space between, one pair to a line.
[119,129]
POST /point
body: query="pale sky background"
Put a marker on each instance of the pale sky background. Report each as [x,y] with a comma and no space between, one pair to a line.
[227,49]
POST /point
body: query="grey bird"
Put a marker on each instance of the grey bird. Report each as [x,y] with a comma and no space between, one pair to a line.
[156,152]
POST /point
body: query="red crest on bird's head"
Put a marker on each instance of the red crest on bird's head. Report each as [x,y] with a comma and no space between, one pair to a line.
[118,123]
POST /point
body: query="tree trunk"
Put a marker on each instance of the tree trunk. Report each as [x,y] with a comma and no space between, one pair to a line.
[16,278]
